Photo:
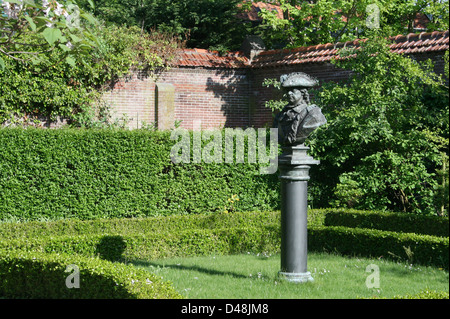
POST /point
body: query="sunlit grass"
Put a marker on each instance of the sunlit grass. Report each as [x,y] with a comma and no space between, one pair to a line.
[255,276]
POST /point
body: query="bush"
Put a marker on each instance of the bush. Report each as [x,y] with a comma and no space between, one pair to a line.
[414,248]
[130,226]
[92,174]
[195,242]
[385,146]
[426,294]
[37,275]
[397,222]
[31,92]
[189,235]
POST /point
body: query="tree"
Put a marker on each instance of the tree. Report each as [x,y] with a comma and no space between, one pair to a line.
[328,21]
[208,24]
[387,135]
[30,31]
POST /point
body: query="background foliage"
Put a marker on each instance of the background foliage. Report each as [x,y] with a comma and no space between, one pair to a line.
[88,174]
[30,93]
[329,21]
[386,142]
[204,24]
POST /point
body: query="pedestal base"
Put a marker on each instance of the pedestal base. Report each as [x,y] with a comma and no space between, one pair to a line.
[298,278]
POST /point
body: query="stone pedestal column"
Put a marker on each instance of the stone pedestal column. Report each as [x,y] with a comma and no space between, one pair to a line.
[294,165]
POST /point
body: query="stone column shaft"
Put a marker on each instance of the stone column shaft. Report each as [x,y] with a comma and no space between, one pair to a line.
[294,175]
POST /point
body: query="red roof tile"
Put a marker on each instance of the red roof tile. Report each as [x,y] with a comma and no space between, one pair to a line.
[404,44]
[411,43]
[211,59]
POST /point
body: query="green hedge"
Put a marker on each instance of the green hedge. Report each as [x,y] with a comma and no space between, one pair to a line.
[42,250]
[90,174]
[256,236]
[414,248]
[131,226]
[398,222]
[156,245]
[143,238]
[426,294]
[428,250]
[37,275]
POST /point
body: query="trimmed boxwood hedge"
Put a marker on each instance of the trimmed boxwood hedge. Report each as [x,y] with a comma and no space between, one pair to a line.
[193,242]
[149,225]
[414,248]
[38,249]
[91,174]
[25,274]
[391,221]
[222,234]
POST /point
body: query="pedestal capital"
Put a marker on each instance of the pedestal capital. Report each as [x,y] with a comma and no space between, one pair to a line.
[294,163]
[296,155]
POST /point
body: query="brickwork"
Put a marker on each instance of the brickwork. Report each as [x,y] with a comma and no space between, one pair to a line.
[213,91]
[216,97]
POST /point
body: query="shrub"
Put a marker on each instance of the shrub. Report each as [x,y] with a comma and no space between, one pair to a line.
[397,222]
[426,294]
[92,174]
[130,226]
[36,275]
[414,248]
[189,235]
[386,143]
[48,89]
[146,246]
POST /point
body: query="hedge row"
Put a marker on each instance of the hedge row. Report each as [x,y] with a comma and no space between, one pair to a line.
[91,174]
[34,255]
[405,223]
[398,222]
[132,226]
[37,275]
[416,248]
[156,245]
[426,294]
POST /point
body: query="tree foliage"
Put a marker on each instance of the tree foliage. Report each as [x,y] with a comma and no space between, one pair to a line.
[38,85]
[34,31]
[328,21]
[386,141]
[202,23]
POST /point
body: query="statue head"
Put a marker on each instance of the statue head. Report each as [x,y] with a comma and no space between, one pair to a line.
[294,96]
[296,87]
[300,121]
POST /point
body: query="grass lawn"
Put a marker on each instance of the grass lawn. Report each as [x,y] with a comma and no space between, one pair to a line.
[252,276]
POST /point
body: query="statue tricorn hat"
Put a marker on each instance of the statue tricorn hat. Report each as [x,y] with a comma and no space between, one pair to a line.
[298,79]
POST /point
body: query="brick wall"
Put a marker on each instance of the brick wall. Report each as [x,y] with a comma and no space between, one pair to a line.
[216,97]
[211,98]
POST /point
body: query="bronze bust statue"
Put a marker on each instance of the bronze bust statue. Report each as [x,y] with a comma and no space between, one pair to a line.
[298,118]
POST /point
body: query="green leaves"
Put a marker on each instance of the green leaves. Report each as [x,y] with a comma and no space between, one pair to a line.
[52,35]
[90,174]
[307,23]
[37,30]
[31,22]
[378,133]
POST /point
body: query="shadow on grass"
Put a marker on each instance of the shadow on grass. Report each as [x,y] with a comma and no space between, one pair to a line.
[207,271]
